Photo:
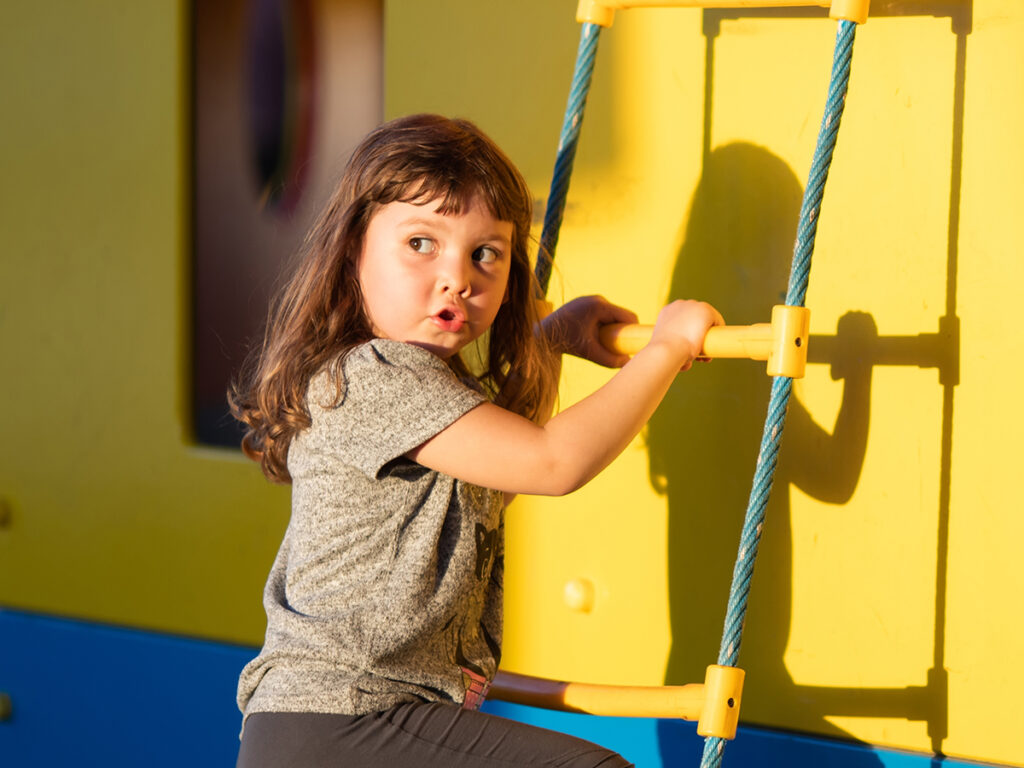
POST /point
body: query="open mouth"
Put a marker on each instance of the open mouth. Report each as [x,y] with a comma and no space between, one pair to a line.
[450,319]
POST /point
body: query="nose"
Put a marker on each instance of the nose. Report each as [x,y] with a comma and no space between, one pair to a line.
[456,275]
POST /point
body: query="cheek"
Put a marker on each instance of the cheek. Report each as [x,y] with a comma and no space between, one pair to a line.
[375,279]
[375,292]
[362,267]
[509,288]
[500,301]
[366,288]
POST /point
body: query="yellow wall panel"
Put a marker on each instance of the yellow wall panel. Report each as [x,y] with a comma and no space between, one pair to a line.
[115,516]
[887,559]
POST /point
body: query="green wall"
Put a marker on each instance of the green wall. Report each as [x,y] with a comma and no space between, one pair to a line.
[114,514]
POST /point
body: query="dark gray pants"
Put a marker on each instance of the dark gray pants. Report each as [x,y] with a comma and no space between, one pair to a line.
[421,735]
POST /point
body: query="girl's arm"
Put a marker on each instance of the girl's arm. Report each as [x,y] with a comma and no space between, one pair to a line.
[575,329]
[495,448]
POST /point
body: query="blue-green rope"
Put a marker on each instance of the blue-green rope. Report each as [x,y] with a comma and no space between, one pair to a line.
[782,386]
[571,123]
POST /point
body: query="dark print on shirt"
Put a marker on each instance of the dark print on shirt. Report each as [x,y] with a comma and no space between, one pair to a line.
[486,548]
[453,637]
[474,679]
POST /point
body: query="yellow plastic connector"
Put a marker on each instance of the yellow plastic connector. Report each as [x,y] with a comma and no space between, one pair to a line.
[850,10]
[782,343]
[595,12]
[791,329]
[723,689]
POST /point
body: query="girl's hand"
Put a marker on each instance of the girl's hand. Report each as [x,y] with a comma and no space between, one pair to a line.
[682,326]
[574,329]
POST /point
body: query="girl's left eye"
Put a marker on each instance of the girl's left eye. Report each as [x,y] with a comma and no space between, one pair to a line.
[421,244]
[485,254]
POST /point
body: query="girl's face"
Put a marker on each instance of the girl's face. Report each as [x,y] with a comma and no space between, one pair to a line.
[434,280]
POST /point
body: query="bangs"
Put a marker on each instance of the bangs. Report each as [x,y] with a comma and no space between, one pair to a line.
[424,159]
[456,196]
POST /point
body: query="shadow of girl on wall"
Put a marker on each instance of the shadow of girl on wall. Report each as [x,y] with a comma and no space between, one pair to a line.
[703,440]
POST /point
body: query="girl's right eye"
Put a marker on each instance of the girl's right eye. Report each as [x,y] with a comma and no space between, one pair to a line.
[421,244]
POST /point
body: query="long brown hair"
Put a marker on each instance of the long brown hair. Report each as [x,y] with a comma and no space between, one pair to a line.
[319,315]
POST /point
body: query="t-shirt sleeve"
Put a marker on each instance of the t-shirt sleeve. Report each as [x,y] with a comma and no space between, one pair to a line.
[396,396]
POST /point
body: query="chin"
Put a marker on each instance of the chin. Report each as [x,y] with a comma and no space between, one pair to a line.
[440,350]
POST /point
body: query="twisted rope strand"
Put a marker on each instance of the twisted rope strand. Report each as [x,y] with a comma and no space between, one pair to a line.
[571,123]
[782,387]
[814,191]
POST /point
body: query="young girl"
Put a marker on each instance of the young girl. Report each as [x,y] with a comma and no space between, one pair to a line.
[405,390]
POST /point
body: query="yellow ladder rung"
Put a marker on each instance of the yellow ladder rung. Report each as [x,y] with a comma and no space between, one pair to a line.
[782,342]
[714,704]
[602,12]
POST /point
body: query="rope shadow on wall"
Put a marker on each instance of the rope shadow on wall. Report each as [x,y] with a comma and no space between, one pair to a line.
[740,261]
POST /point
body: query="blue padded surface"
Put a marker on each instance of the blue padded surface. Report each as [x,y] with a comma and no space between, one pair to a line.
[85,694]
[89,695]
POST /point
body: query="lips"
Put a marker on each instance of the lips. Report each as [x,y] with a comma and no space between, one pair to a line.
[450,319]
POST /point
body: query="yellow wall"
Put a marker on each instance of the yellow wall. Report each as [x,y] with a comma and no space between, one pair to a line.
[890,545]
[889,548]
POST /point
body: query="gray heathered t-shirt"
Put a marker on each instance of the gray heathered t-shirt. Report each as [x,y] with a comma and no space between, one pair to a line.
[387,586]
